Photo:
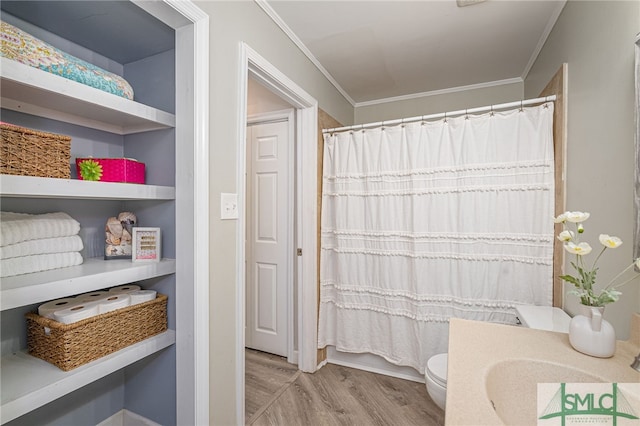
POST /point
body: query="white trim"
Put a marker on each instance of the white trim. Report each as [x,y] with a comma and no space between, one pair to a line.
[271,116]
[543,38]
[303,48]
[307,160]
[306,155]
[441,92]
[294,38]
[201,213]
[291,232]
[192,331]
[241,185]
[372,363]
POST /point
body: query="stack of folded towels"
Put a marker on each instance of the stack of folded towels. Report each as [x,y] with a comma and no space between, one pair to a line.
[38,242]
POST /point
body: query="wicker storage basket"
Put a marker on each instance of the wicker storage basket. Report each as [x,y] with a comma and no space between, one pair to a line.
[68,346]
[27,152]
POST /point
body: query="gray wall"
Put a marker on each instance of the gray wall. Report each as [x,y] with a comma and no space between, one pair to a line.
[439,103]
[231,23]
[596,39]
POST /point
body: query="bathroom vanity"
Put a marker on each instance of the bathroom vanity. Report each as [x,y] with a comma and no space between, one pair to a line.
[494,370]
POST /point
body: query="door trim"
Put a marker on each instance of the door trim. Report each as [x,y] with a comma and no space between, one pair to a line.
[191,25]
[288,117]
[251,63]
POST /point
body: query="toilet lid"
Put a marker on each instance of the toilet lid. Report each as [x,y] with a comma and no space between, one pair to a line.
[437,368]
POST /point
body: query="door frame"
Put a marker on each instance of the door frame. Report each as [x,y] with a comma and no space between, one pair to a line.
[287,116]
[306,121]
[191,25]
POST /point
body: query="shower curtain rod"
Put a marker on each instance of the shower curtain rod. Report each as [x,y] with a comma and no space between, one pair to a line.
[443,114]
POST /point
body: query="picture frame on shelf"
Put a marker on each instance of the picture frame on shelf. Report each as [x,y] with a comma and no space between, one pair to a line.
[119,236]
[146,244]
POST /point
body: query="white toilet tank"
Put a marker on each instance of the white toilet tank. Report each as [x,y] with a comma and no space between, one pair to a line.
[543,318]
[539,317]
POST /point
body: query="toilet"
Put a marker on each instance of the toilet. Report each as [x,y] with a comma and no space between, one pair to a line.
[538,317]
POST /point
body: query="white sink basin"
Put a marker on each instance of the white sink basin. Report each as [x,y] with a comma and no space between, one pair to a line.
[511,386]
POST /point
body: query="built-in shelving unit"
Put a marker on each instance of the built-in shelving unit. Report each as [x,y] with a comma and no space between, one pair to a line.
[36,187]
[165,142]
[29,90]
[29,383]
[93,274]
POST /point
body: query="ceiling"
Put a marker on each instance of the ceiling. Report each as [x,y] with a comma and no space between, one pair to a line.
[377,50]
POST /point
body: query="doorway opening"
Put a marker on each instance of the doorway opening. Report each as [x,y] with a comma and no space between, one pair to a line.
[270,323]
[305,120]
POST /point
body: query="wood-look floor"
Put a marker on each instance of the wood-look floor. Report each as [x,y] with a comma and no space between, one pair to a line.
[276,393]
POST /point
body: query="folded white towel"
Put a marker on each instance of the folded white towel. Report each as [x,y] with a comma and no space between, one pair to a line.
[42,246]
[18,227]
[38,262]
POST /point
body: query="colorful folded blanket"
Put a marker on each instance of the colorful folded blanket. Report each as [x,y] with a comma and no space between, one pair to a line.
[22,47]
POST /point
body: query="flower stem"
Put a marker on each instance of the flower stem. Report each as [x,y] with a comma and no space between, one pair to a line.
[597,258]
[619,275]
[625,282]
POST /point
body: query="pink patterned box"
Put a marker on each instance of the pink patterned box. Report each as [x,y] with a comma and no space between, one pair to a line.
[110,170]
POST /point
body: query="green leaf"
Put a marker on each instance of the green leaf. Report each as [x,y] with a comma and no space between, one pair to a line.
[608,296]
[570,279]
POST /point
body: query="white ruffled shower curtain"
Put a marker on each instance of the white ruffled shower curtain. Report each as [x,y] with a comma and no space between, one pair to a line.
[431,220]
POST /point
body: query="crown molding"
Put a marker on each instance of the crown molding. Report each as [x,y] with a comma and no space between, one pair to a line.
[289,32]
[543,38]
[264,5]
[514,80]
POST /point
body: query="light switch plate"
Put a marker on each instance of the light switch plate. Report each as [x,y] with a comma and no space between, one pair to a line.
[228,206]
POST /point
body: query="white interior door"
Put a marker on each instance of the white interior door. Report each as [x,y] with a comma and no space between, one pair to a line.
[268,245]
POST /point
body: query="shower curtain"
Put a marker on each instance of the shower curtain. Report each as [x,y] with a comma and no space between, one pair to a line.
[427,221]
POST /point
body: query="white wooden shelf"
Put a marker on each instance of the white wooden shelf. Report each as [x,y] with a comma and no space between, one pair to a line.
[38,187]
[29,382]
[93,274]
[33,91]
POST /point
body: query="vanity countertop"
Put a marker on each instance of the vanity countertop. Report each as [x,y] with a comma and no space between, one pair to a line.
[478,350]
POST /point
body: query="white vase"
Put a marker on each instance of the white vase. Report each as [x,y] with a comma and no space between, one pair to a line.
[590,334]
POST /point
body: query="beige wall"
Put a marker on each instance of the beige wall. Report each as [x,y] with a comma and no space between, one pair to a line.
[596,39]
[230,24]
[261,100]
[439,103]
